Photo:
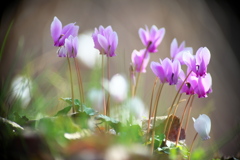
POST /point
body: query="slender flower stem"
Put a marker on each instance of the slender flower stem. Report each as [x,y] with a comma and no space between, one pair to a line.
[170,110]
[108,97]
[70,71]
[189,156]
[155,114]
[137,80]
[104,102]
[180,126]
[188,115]
[150,108]
[80,86]
[132,79]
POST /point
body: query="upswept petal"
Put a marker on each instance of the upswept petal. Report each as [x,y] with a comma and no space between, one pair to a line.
[154,31]
[206,55]
[158,71]
[113,40]
[108,32]
[95,39]
[103,43]
[173,48]
[176,69]
[182,46]
[189,59]
[167,66]
[160,35]
[101,30]
[56,30]
[143,36]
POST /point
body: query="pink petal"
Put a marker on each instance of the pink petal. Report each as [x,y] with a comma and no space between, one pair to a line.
[173,48]
[158,71]
[56,29]
[103,43]
[143,36]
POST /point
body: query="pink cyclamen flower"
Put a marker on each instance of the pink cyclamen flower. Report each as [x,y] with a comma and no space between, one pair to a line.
[59,34]
[203,126]
[105,40]
[198,63]
[151,39]
[167,71]
[189,85]
[204,86]
[140,60]
[70,47]
[176,51]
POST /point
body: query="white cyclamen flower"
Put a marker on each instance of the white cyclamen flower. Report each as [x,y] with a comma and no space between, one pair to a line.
[117,87]
[203,126]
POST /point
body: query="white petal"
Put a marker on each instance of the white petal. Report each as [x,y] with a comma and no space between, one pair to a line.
[203,126]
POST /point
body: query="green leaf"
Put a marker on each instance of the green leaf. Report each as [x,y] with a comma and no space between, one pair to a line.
[89,111]
[69,101]
[78,104]
[158,140]
[110,121]
[106,119]
[63,111]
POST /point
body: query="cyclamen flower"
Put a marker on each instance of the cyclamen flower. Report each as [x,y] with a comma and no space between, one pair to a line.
[59,34]
[118,87]
[140,60]
[166,70]
[151,39]
[70,47]
[176,51]
[195,85]
[189,85]
[203,126]
[105,40]
[198,63]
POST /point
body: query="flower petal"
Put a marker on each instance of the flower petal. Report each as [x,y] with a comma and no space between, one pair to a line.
[103,43]
[56,30]
[143,36]
[158,71]
[173,48]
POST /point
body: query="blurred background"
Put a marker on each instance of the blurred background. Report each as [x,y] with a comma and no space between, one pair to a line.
[29,56]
